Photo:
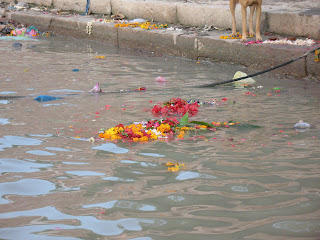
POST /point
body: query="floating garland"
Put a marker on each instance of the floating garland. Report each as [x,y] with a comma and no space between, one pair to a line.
[174,167]
[153,130]
[175,106]
[99,57]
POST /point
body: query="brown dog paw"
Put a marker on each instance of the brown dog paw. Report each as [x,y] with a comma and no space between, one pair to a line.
[243,39]
[259,38]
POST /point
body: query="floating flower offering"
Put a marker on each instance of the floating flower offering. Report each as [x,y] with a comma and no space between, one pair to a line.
[99,57]
[142,131]
[174,167]
[158,129]
[175,106]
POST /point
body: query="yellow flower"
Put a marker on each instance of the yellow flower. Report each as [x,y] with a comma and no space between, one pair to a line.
[181,135]
[164,128]
[176,167]
[144,139]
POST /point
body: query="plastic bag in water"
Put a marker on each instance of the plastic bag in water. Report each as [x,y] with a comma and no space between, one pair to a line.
[46,98]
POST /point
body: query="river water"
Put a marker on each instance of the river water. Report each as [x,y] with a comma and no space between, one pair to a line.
[259,179]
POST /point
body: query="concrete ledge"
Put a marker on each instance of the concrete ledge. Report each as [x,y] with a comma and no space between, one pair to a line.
[75,5]
[301,21]
[313,68]
[152,11]
[258,57]
[295,24]
[67,26]
[305,23]
[105,33]
[101,7]
[42,22]
[151,41]
[46,3]
[175,43]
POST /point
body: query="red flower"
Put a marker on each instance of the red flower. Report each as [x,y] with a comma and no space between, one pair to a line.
[175,106]
[120,125]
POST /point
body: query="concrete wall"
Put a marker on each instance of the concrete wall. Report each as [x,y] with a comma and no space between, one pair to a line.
[282,20]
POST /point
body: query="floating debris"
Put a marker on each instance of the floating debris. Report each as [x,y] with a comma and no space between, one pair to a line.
[160,79]
[96,89]
[163,129]
[302,125]
[244,82]
[174,167]
[46,98]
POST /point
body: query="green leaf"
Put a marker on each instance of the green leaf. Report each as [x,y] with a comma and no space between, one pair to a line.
[184,120]
[247,126]
[202,123]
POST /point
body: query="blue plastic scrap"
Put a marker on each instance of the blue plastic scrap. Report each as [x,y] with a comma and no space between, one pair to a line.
[46,98]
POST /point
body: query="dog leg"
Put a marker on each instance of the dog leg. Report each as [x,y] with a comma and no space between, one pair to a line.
[244,23]
[258,22]
[232,10]
[252,10]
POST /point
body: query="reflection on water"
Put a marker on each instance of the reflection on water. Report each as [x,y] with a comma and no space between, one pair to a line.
[98,226]
[10,141]
[15,165]
[4,101]
[110,147]
[84,173]
[123,204]
[25,187]
[41,153]
[256,180]
[4,121]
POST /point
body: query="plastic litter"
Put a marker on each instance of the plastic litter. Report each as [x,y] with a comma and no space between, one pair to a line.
[302,125]
[160,79]
[241,83]
[16,45]
[75,70]
[46,98]
[96,89]
[138,20]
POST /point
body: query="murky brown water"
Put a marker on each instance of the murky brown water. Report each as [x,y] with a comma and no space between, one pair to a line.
[238,183]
